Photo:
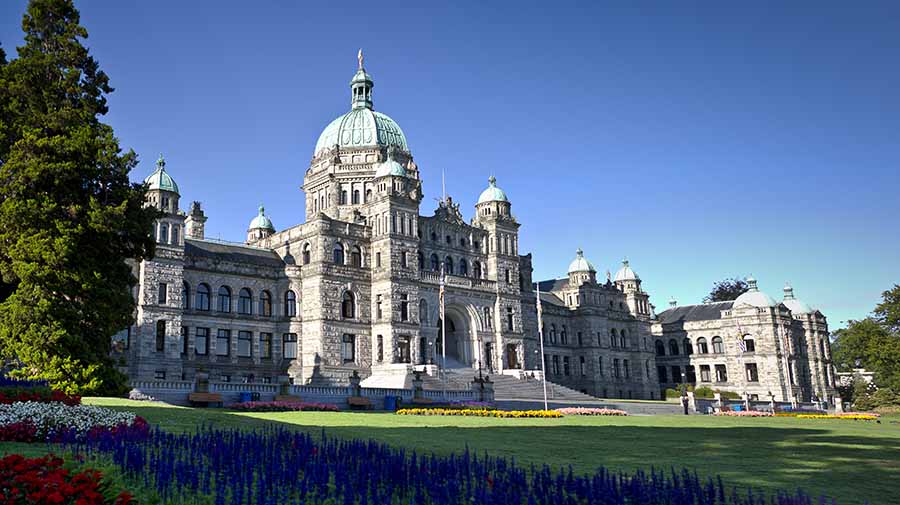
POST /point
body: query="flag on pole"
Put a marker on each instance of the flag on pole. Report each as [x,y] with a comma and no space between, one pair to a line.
[541,342]
[441,293]
[741,344]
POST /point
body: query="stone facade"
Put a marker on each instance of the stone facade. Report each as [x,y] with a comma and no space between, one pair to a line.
[357,287]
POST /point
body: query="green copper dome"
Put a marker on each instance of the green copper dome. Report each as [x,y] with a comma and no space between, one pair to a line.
[362,126]
[390,167]
[160,179]
[492,193]
[261,221]
[580,263]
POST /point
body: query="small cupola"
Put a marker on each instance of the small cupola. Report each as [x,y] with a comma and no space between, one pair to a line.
[260,227]
[361,86]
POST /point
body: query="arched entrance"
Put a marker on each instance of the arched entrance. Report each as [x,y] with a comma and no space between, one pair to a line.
[459,339]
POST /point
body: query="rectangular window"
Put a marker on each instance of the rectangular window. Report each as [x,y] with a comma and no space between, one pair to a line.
[625,368]
[244,344]
[380,343]
[721,373]
[600,366]
[289,345]
[661,373]
[223,342]
[704,373]
[752,375]
[581,363]
[566,365]
[580,340]
[616,368]
[404,261]
[378,260]
[348,348]
[555,365]
[162,294]
[404,307]
[690,374]
[676,374]
[224,378]
[750,345]
[265,345]
[201,341]
[160,336]
[185,331]
[378,313]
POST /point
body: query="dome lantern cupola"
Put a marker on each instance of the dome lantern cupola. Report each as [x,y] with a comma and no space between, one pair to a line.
[492,193]
[361,86]
[160,179]
[794,305]
[581,270]
[754,297]
[626,273]
[260,227]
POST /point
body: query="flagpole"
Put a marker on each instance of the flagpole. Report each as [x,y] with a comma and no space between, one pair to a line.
[541,339]
[443,335]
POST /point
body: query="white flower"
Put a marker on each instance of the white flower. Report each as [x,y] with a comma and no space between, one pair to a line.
[49,417]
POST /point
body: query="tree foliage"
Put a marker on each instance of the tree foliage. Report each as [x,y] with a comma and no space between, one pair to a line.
[726,290]
[69,216]
[888,311]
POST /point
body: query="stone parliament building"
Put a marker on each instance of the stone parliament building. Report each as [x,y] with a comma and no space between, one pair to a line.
[355,288]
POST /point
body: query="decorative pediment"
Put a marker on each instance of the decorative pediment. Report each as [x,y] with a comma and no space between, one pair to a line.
[448,211]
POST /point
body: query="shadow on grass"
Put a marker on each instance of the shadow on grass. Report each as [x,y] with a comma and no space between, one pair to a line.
[846,463]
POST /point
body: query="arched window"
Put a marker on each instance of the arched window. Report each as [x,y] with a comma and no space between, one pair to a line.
[750,344]
[421,260]
[463,267]
[224,303]
[552,333]
[623,340]
[338,254]
[202,297]
[355,196]
[348,307]
[368,195]
[433,236]
[660,348]
[163,233]
[423,312]
[356,256]
[448,265]
[476,269]
[435,263]
[563,337]
[290,304]
[718,347]
[673,347]
[702,347]
[185,295]
[245,301]
[613,338]
[265,303]
[687,347]
[307,254]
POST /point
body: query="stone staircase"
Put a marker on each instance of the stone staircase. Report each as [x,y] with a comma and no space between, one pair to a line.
[506,387]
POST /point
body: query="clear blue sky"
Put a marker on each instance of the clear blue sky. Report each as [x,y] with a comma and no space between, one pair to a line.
[700,140]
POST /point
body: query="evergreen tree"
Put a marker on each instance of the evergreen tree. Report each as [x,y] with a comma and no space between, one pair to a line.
[69,217]
[726,290]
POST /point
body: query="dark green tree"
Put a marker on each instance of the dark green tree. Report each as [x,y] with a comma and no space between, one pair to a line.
[726,290]
[888,311]
[69,216]
[869,344]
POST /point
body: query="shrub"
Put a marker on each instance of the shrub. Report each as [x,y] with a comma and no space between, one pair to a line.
[478,413]
[45,481]
[704,392]
[283,406]
[53,422]
[138,395]
[586,411]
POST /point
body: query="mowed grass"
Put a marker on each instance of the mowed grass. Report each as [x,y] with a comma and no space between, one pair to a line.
[852,461]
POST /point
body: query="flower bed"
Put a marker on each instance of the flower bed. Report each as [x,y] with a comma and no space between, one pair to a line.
[850,416]
[279,465]
[45,481]
[42,394]
[53,422]
[743,413]
[478,412]
[586,411]
[282,406]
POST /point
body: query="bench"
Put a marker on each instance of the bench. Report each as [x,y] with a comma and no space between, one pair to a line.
[205,398]
[359,402]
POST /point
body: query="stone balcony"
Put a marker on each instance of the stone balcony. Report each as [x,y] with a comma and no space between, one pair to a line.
[458,281]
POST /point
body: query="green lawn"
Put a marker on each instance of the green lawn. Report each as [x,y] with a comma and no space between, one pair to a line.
[853,461]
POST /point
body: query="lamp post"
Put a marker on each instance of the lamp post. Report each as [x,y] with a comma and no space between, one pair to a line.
[684,398]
